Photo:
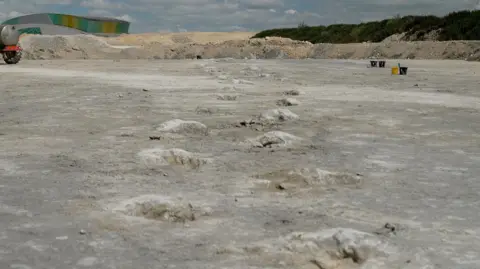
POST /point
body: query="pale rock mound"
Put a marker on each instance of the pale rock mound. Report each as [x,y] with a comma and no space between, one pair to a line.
[272,116]
[68,47]
[252,68]
[162,157]
[252,71]
[206,110]
[292,92]
[160,208]
[339,248]
[242,81]
[288,102]
[226,97]
[272,138]
[326,178]
[183,127]
[280,114]
[306,177]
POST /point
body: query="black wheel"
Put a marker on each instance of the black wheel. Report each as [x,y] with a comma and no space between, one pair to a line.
[12,57]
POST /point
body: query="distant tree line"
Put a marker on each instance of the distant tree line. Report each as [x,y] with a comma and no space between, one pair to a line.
[461,25]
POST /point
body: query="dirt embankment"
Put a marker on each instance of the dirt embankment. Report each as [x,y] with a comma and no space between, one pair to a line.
[235,45]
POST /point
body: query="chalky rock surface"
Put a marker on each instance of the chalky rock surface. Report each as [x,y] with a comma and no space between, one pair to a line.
[131,163]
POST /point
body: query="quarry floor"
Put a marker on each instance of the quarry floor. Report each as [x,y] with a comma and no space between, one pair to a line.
[71,133]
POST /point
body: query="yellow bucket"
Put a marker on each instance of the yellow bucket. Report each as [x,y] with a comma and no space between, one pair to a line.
[395,70]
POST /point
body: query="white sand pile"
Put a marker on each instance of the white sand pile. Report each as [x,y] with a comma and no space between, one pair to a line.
[269,117]
[179,38]
[278,115]
[206,110]
[339,248]
[160,208]
[293,92]
[325,178]
[66,47]
[273,138]
[307,177]
[288,102]
[179,126]
[162,157]
[227,97]
[253,70]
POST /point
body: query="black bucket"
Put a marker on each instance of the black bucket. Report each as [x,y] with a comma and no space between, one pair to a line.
[403,70]
[373,63]
[381,64]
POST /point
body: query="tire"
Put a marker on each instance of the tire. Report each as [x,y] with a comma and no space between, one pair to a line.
[12,57]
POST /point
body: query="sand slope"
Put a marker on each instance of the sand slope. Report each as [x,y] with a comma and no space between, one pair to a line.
[234,45]
[176,38]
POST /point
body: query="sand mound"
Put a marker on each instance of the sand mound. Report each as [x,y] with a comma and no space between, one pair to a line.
[206,110]
[227,97]
[254,71]
[288,102]
[269,117]
[160,208]
[273,138]
[67,47]
[280,114]
[305,177]
[292,92]
[183,127]
[162,157]
[339,248]
[325,178]
[182,38]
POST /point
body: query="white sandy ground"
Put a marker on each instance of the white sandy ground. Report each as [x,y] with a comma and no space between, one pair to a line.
[91,177]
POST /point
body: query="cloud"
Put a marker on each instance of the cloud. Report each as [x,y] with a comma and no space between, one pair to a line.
[126,17]
[262,4]
[230,15]
[102,4]
[9,15]
[291,11]
[100,13]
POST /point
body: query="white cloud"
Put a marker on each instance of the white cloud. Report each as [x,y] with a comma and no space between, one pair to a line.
[164,31]
[13,14]
[101,4]
[180,29]
[9,15]
[49,2]
[100,13]
[262,4]
[291,11]
[126,17]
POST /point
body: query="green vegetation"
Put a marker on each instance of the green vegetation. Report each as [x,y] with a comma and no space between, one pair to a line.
[462,25]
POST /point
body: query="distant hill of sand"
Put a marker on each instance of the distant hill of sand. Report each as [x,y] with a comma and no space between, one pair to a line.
[190,45]
[175,38]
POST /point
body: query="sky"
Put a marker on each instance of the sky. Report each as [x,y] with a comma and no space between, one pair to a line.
[234,15]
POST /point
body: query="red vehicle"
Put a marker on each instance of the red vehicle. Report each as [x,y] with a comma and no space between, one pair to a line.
[11,54]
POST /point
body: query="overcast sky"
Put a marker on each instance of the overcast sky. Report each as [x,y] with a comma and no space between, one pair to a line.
[234,15]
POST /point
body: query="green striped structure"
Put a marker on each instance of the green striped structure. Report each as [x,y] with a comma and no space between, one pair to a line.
[92,25]
[31,31]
